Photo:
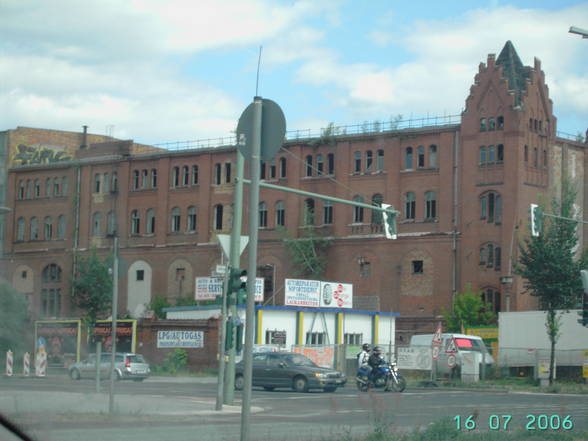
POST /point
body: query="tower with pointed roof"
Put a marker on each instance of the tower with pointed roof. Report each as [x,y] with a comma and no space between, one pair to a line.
[508,129]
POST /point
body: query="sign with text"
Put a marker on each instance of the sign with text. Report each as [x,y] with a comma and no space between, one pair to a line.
[62,340]
[180,339]
[315,294]
[208,288]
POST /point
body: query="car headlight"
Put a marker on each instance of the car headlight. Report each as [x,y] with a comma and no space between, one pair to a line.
[319,375]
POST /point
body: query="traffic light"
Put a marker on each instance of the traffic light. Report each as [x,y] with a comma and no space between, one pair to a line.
[239,342]
[584,313]
[536,219]
[389,223]
[237,279]
[229,335]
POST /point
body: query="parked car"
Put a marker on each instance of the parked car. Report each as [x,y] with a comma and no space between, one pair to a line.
[126,366]
[289,370]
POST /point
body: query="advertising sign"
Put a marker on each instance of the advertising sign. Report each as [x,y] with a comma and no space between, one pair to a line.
[315,294]
[418,358]
[322,356]
[61,341]
[302,292]
[208,288]
[180,339]
[126,335]
[336,295]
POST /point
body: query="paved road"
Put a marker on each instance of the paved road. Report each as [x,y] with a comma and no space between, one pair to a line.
[292,416]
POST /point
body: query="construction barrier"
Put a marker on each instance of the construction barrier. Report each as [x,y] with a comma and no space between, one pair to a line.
[41,363]
[9,362]
[26,365]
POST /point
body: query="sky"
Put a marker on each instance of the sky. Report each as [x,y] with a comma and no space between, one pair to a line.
[162,71]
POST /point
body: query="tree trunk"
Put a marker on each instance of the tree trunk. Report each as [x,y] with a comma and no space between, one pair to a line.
[553,329]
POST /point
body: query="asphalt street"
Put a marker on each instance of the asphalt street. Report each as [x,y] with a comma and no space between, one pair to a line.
[281,415]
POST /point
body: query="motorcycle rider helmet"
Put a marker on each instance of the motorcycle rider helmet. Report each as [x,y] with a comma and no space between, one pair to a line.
[377,350]
[366,347]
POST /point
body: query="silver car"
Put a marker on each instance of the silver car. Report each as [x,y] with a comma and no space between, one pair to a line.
[126,366]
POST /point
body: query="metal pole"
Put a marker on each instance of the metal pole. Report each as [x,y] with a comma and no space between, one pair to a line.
[98,360]
[221,347]
[114,314]
[234,260]
[251,267]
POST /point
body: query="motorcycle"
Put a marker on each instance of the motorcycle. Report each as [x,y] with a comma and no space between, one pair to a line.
[386,376]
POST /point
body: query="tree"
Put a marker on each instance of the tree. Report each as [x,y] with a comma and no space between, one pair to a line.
[469,310]
[307,254]
[14,318]
[93,287]
[549,267]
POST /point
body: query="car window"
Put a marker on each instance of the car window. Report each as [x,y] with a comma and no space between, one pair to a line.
[119,358]
[299,360]
[136,358]
[259,359]
[274,360]
[469,344]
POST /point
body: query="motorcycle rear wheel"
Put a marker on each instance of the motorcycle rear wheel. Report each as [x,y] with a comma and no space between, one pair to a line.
[397,384]
[362,387]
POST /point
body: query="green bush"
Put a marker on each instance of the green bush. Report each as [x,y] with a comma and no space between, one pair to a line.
[157,304]
[175,361]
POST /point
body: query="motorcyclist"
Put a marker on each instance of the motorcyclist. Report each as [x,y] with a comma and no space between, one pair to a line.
[363,366]
[375,359]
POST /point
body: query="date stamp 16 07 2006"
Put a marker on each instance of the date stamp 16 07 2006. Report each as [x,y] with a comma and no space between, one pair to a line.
[501,422]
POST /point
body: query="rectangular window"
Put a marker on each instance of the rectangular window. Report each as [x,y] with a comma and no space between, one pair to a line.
[497,259]
[217,174]
[353,339]
[315,338]
[275,337]
[140,275]
[417,267]
[228,172]
[327,214]
[331,164]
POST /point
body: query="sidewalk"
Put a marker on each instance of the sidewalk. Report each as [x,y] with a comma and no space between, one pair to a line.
[43,402]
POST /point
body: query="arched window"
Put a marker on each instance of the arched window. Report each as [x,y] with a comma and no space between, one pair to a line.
[218,217]
[357,162]
[185,175]
[97,181]
[308,165]
[191,218]
[34,230]
[135,179]
[491,207]
[319,164]
[106,183]
[114,182]
[380,160]
[368,161]
[280,214]
[135,222]
[420,156]
[272,169]
[20,229]
[526,153]
[331,163]
[111,223]
[482,124]
[408,158]
[176,220]
[37,188]
[483,155]
[61,227]
[96,221]
[499,153]
[544,158]
[283,163]
[491,297]
[48,187]
[358,211]
[430,205]
[262,215]
[500,122]
[151,221]
[176,176]
[51,291]
[308,212]
[490,256]
[409,205]
[535,157]
[491,157]
[327,213]
[194,175]
[433,156]
[48,224]
[491,124]
[262,170]
[56,191]
[377,200]
[51,273]
[29,189]
[144,178]
[21,190]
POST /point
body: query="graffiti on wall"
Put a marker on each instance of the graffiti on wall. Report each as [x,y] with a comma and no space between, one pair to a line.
[39,154]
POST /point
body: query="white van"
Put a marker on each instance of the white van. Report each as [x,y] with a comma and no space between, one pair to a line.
[463,343]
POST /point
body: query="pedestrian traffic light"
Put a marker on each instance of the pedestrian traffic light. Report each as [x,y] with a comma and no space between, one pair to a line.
[389,222]
[536,219]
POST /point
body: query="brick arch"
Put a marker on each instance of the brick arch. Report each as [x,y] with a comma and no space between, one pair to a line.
[180,279]
[417,284]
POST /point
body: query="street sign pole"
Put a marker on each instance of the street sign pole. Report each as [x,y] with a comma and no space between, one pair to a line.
[221,348]
[251,267]
[114,324]
[234,259]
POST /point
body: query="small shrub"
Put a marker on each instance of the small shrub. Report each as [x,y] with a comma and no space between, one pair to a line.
[175,361]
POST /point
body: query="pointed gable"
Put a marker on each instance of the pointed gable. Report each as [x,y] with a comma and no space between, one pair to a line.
[513,70]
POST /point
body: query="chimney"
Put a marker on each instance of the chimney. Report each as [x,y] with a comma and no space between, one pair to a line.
[84,137]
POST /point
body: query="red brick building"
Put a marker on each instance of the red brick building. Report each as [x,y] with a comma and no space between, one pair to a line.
[463,189]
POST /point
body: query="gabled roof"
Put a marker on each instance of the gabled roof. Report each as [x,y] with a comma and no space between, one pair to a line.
[513,70]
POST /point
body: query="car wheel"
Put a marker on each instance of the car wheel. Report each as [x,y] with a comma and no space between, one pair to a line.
[330,389]
[300,384]
[75,374]
[239,382]
[268,388]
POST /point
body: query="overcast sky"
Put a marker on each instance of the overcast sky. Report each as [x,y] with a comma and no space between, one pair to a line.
[157,71]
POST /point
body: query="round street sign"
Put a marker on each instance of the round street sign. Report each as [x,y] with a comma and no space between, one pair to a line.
[435,352]
[273,129]
[451,361]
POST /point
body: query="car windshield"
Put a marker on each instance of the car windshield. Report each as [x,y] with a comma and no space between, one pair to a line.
[136,358]
[299,360]
[469,344]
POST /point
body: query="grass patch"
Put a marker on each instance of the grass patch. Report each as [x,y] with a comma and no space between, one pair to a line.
[161,371]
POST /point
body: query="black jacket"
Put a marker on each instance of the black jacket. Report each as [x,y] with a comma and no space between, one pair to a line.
[375,360]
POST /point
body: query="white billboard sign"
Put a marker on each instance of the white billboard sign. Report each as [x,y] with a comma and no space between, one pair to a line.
[180,339]
[315,294]
[208,288]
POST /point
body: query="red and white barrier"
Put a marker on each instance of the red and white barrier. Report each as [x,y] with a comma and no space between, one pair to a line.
[9,363]
[41,364]
[26,365]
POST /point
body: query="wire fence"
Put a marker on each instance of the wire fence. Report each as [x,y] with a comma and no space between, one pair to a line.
[365,128]
[577,137]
